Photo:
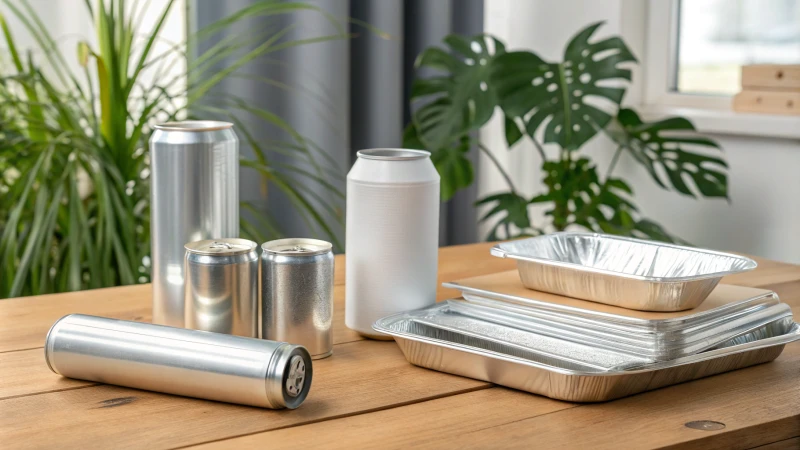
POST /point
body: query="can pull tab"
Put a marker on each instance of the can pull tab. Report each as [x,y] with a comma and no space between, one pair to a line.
[300,249]
[220,246]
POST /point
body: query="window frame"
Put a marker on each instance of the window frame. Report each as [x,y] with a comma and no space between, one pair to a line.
[662,51]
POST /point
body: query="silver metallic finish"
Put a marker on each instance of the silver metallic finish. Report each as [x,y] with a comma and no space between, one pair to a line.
[297,293]
[483,359]
[222,286]
[749,325]
[194,195]
[626,272]
[732,312]
[177,361]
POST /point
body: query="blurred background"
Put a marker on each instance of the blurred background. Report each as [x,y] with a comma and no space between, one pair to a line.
[310,83]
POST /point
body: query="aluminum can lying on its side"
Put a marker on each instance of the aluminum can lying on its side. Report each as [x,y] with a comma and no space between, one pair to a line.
[193,363]
[222,286]
[297,294]
[194,195]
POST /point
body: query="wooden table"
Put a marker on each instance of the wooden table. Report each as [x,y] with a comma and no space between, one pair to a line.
[367,395]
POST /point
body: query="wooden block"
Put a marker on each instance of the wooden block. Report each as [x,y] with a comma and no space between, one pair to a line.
[768,102]
[784,77]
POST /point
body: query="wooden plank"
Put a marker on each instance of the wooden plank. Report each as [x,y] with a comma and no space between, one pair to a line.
[765,397]
[362,376]
[24,372]
[409,426]
[768,102]
[785,77]
[768,394]
[786,444]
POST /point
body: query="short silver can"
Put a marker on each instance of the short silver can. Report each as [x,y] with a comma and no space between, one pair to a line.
[221,293]
[297,293]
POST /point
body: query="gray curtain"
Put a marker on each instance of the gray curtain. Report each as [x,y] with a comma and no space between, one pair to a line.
[351,94]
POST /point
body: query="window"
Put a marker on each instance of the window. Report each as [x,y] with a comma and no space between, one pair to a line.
[715,38]
[695,48]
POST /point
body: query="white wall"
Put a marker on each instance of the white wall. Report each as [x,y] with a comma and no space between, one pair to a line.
[764,214]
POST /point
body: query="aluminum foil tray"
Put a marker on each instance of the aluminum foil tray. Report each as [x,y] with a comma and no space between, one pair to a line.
[631,273]
[465,352]
[756,322]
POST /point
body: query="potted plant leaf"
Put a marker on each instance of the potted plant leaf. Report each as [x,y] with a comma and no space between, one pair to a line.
[559,106]
[74,184]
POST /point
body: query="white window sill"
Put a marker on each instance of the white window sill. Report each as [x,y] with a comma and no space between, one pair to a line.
[720,121]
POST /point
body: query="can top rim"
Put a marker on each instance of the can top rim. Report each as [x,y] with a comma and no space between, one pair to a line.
[194,125]
[297,247]
[221,247]
[393,154]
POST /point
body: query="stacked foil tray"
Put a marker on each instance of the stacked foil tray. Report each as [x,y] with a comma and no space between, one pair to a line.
[463,339]
[590,317]
[754,314]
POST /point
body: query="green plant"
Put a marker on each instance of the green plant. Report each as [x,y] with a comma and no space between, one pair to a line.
[74,191]
[546,102]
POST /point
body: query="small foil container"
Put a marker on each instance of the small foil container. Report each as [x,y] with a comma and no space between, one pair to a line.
[440,338]
[626,272]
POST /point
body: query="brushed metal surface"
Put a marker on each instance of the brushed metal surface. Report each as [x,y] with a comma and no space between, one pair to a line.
[178,361]
[484,360]
[297,293]
[222,286]
[620,271]
[194,195]
[757,322]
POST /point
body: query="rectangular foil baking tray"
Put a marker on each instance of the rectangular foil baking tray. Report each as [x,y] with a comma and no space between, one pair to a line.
[751,324]
[729,312]
[620,271]
[489,360]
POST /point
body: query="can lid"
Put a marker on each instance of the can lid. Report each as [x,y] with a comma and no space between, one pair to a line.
[297,247]
[221,247]
[194,125]
[393,154]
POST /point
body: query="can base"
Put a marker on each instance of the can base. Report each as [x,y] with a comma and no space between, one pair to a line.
[322,355]
[376,336]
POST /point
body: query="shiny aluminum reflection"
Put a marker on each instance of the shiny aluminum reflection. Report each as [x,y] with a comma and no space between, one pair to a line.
[748,325]
[626,272]
[483,360]
[178,361]
[297,293]
[194,195]
[222,286]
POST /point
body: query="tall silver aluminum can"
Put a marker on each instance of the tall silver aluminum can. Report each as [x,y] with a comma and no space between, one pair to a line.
[194,196]
[222,286]
[297,293]
[392,236]
[178,361]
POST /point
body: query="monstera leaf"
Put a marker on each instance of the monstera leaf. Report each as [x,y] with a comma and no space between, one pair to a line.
[461,99]
[555,94]
[580,198]
[512,210]
[662,144]
[451,161]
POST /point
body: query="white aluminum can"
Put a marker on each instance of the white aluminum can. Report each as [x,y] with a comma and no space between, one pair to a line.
[392,236]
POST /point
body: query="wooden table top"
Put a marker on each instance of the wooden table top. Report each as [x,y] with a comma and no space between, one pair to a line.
[367,395]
